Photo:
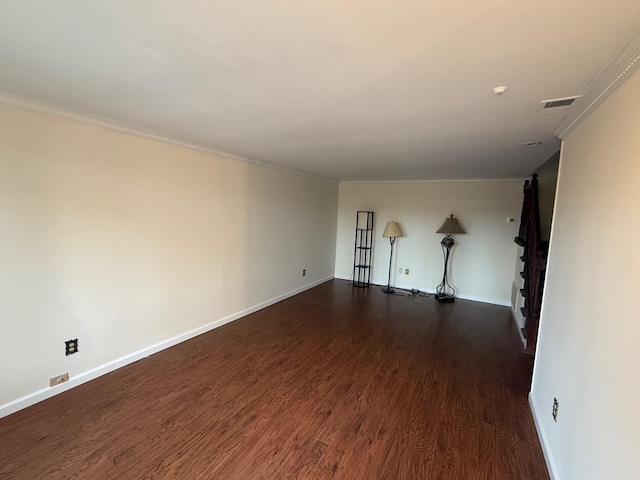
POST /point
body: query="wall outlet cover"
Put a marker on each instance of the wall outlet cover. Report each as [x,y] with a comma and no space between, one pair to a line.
[57,380]
[71,346]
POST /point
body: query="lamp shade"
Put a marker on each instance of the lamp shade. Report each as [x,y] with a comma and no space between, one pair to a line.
[450,226]
[392,230]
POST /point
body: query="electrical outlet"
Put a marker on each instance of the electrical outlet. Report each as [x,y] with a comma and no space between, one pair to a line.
[71,346]
[406,271]
[554,411]
[304,272]
[511,220]
[58,380]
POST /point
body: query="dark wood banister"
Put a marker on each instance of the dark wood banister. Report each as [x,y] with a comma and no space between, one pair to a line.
[535,262]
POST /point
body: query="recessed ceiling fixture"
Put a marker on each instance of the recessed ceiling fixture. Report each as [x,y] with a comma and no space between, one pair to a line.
[500,90]
[534,143]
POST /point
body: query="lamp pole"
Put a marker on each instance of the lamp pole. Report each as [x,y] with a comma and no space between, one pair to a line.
[391,231]
[392,240]
[444,291]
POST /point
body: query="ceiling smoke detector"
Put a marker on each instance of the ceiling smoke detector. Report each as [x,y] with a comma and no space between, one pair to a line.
[499,90]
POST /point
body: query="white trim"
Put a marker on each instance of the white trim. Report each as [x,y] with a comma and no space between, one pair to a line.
[483,300]
[439,180]
[432,292]
[43,394]
[542,437]
[121,127]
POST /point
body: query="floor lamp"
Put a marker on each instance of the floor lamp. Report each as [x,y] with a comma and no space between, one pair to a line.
[444,291]
[391,231]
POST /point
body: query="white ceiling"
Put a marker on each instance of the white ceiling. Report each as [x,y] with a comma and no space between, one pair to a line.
[349,89]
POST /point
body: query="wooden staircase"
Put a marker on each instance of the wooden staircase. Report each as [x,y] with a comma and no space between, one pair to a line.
[535,262]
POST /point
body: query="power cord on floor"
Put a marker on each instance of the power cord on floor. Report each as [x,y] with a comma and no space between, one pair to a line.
[419,293]
[402,292]
[405,292]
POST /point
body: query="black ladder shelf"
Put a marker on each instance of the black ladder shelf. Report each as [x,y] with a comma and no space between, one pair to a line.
[535,261]
[363,249]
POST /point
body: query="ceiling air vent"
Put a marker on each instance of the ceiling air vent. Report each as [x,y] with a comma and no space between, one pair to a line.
[561,102]
[557,106]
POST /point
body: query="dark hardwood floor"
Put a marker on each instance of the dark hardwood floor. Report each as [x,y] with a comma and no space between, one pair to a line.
[336,383]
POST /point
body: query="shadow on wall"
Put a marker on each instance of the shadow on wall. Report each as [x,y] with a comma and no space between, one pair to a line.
[547,182]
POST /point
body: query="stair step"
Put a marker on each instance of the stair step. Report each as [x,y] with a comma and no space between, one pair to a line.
[520,241]
[524,292]
[524,332]
[525,311]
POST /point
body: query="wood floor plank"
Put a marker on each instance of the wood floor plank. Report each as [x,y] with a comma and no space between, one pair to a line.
[334,383]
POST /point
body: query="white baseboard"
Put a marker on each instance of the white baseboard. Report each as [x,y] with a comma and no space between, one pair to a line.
[492,301]
[432,291]
[542,437]
[43,394]
[518,327]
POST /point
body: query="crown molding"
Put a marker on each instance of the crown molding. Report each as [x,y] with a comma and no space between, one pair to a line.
[116,126]
[616,73]
[438,180]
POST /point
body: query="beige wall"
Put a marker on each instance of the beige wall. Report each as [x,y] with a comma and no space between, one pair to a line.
[126,243]
[588,355]
[482,261]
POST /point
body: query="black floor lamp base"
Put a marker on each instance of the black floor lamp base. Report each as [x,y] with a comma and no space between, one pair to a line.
[444,291]
[388,290]
[445,298]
